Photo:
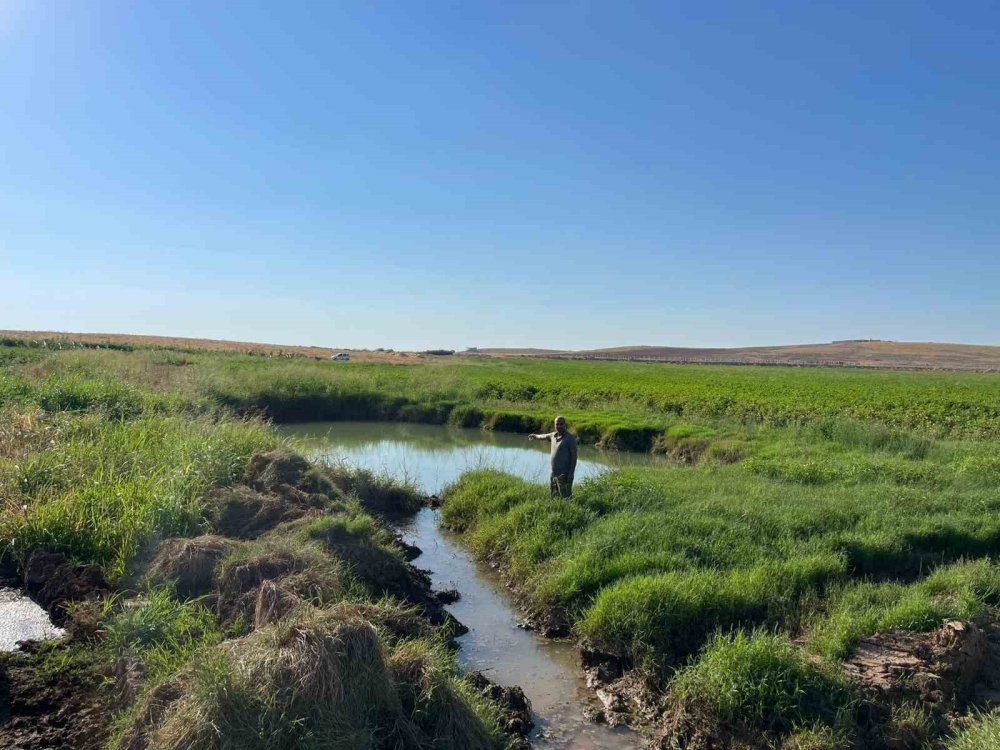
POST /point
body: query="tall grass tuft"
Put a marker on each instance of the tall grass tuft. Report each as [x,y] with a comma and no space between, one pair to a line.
[762,682]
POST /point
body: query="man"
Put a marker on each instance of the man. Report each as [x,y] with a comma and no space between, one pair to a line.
[563,458]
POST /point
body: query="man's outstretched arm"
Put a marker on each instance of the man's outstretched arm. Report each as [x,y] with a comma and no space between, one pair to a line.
[540,435]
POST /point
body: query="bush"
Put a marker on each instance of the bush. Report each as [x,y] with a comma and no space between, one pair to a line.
[511,422]
[638,439]
[873,437]
[465,416]
[685,442]
[727,451]
[117,400]
[799,471]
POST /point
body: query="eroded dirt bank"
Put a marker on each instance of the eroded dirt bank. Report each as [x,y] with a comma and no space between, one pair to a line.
[310,601]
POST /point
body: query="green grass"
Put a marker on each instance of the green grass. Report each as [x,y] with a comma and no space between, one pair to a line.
[160,631]
[984,734]
[648,561]
[101,463]
[762,682]
[619,404]
[98,488]
[668,616]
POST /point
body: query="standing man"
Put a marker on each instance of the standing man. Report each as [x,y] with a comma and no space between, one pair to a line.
[563,458]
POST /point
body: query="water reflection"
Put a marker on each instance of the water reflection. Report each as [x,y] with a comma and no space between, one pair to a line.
[433,456]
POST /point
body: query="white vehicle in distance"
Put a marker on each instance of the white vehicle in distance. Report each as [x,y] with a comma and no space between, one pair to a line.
[341,357]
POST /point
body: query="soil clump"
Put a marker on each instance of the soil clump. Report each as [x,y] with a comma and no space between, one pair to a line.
[513,704]
[53,580]
[448,596]
[625,697]
[189,564]
[288,547]
[321,677]
[245,513]
[946,672]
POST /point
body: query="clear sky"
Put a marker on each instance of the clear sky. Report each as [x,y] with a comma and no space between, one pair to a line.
[569,174]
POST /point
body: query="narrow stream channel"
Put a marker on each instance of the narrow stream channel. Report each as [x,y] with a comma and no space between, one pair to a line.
[432,457]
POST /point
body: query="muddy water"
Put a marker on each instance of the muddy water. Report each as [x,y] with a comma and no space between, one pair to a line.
[548,671]
[23,620]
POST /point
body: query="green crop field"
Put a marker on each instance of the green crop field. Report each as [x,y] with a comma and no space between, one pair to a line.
[805,509]
[613,401]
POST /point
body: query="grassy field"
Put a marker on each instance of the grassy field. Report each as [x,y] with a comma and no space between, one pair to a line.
[806,509]
[617,404]
[236,600]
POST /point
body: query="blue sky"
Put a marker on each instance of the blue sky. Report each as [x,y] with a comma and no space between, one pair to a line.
[420,174]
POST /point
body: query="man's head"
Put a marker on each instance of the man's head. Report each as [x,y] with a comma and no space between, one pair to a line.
[560,425]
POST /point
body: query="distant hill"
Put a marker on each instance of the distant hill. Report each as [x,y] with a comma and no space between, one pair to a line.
[893,355]
[862,353]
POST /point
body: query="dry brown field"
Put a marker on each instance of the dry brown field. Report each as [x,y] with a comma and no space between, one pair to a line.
[873,354]
[214,345]
[897,355]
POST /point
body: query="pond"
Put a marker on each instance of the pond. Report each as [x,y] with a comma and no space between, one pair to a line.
[432,457]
